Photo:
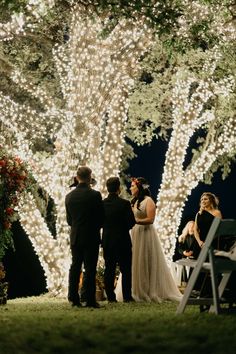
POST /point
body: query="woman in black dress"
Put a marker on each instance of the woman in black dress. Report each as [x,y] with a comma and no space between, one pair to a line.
[208,211]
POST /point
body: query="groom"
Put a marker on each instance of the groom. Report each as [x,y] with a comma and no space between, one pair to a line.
[85,214]
[116,241]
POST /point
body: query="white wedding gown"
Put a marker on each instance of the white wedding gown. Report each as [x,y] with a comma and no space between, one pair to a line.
[151,277]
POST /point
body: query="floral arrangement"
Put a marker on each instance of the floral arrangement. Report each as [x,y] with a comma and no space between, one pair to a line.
[3,286]
[100,271]
[14,179]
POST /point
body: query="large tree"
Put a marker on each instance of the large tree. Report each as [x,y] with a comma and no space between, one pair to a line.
[69,81]
[190,100]
[86,125]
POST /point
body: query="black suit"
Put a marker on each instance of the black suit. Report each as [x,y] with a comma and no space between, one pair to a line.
[85,213]
[116,242]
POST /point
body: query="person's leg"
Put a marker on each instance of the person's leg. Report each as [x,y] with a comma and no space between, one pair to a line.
[90,265]
[74,275]
[125,261]
[109,277]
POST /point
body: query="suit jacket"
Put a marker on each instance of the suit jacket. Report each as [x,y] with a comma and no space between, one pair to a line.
[119,219]
[85,214]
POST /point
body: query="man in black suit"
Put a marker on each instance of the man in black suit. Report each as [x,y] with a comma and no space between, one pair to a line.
[116,241]
[85,214]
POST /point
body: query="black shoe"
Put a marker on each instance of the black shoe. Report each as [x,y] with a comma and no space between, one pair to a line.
[204,308]
[129,300]
[76,304]
[94,305]
[112,301]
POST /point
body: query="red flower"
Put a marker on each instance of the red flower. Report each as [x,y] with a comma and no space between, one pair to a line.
[9,211]
[14,179]
[17,159]
[7,224]
[22,176]
[2,162]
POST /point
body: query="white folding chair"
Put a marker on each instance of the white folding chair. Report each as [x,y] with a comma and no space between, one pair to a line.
[208,262]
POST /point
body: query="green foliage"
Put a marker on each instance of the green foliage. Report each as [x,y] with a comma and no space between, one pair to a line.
[162,15]
[149,105]
[6,241]
[225,108]
[128,154]
[225,162]
[7,7]
[14,180]
[3,286]
[150,114]
[150,109]
[32,55]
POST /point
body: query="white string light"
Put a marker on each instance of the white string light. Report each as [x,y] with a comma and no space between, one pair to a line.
[220,17]
[96,75]
[188,116]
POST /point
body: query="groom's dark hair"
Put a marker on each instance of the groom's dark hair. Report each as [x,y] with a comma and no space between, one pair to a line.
[84,174]
[113,184]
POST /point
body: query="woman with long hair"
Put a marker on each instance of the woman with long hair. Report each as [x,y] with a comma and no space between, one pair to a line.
[151,277]
[208,211]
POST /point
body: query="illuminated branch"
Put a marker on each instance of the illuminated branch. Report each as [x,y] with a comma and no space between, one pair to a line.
[14,27]
[95,75]
[54,259]
[189,115]
[21,23]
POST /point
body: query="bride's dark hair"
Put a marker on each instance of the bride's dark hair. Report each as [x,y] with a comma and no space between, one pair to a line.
[143,190]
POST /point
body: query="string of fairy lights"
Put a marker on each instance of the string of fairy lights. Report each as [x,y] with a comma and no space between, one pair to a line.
[95,75]
[53,258]
[19,23]
[197,12]
[14,27]
[188,116]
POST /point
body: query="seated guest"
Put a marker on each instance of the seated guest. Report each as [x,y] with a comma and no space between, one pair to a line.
[206,214]
[186,247]
[187,244]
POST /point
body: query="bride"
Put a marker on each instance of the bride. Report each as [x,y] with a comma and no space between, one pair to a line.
[151,277]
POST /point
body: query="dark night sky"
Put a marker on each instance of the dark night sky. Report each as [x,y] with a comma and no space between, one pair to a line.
[150,162]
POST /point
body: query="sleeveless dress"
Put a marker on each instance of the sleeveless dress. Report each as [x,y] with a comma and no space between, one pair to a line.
[151,277]
[204,221]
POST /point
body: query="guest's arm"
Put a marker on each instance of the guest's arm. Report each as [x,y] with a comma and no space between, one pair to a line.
[184,234]
[217,213]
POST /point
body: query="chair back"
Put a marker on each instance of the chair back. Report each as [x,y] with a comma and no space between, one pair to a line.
[207,261]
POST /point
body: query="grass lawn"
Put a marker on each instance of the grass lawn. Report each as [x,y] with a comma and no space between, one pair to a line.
[49,325]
